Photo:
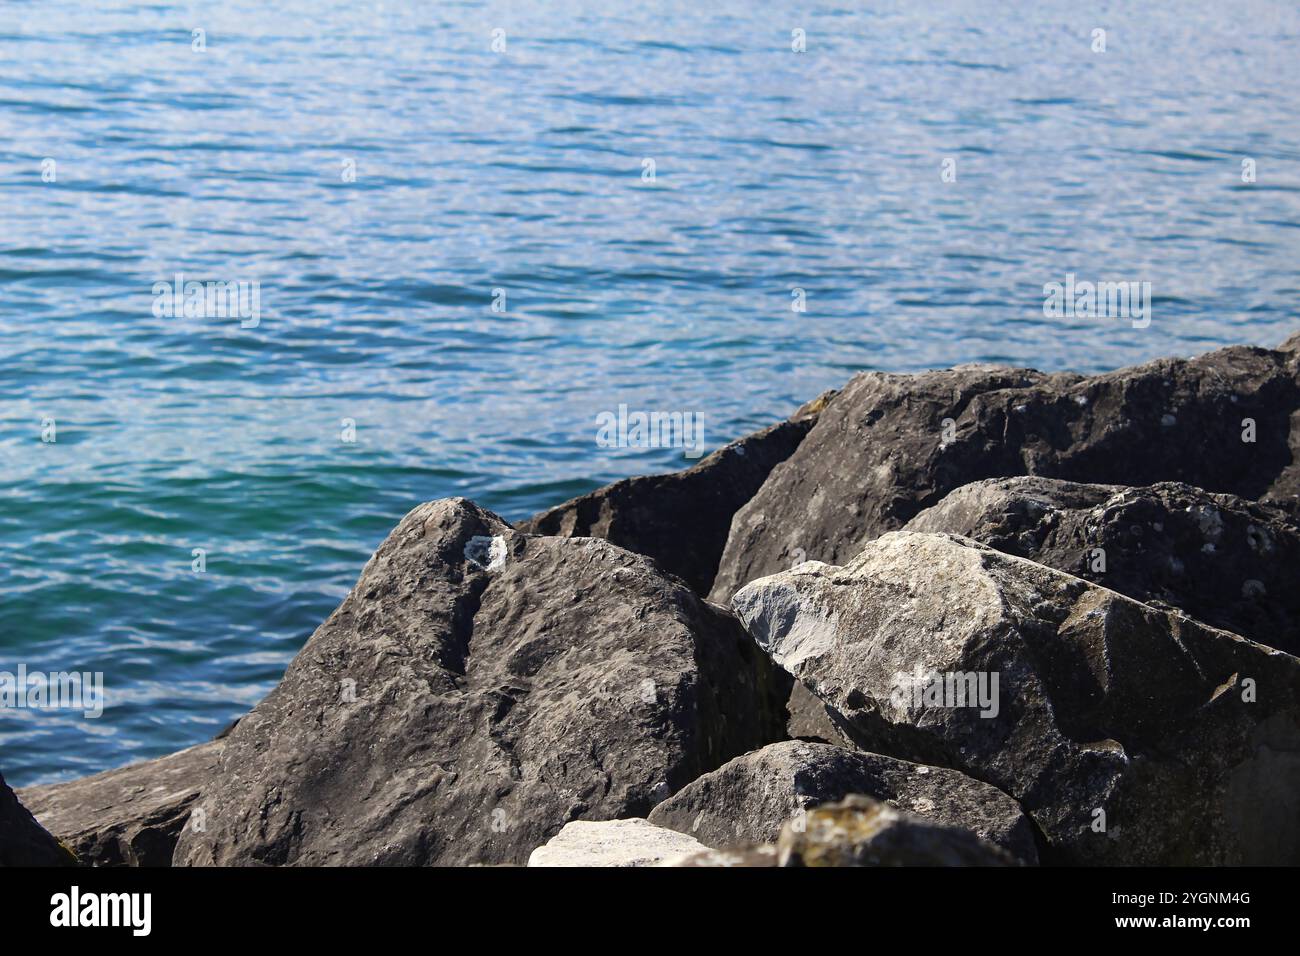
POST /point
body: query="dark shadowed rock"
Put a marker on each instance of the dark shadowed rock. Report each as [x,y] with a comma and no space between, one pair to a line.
[681,519]
[808,718]
[892,445]
[1180,740]
[1224,560]
[859,831]
[130,816]
[477,690]
[748,799]
[23,841]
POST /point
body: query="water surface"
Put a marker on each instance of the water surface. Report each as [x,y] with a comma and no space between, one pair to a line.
[522,170]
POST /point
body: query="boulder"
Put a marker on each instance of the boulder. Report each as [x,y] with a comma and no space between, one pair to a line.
[130,816]
[478,689]
[23,841]
[1222,559]
[859,831]
[1129,734]
[632,842]
[748,799]
[890,446]
[681,520]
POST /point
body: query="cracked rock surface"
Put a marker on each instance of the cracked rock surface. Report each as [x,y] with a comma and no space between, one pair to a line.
[891,445]
[1129,734]
[470,697]
[1221,559]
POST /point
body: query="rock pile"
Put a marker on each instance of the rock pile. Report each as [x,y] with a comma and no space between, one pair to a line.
[980,616]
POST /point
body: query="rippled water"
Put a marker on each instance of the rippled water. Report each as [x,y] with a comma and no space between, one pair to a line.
[522,170]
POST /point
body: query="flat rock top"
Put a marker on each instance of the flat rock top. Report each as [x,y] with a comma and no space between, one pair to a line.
[633,842]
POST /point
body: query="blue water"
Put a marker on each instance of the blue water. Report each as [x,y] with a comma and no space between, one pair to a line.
[522,170]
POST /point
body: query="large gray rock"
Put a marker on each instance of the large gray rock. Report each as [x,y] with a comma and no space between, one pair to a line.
[681,519]
[892,445]
[615,843]
[23,841]
[1224,560]
[131,816]
[477,690]
[748,799]
[1131,735]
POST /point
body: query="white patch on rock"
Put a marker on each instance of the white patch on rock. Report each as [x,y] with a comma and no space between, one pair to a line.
[773,612]
[1208,520]
[632,842]
[488,553]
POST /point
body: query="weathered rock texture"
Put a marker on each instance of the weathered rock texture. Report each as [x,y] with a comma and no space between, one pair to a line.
[130,816]
[681,519]
[1224,560]
[613,843]
[23,841]
[1181,740]
[748,799]
[810,719]
[859,831]
[477,690]
[892,445]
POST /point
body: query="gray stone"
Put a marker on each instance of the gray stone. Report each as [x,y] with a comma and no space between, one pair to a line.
[857,831]
[1130,735]
[478,689]
[1222,559]
[748,799]
[860,831]
[23,841]
[632,842]
[682,519]
[130,816]
[891,445]
[810,719]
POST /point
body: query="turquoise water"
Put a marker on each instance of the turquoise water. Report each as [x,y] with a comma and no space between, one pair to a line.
[522,170]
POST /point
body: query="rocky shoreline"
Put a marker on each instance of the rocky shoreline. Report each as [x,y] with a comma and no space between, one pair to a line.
[978,616]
